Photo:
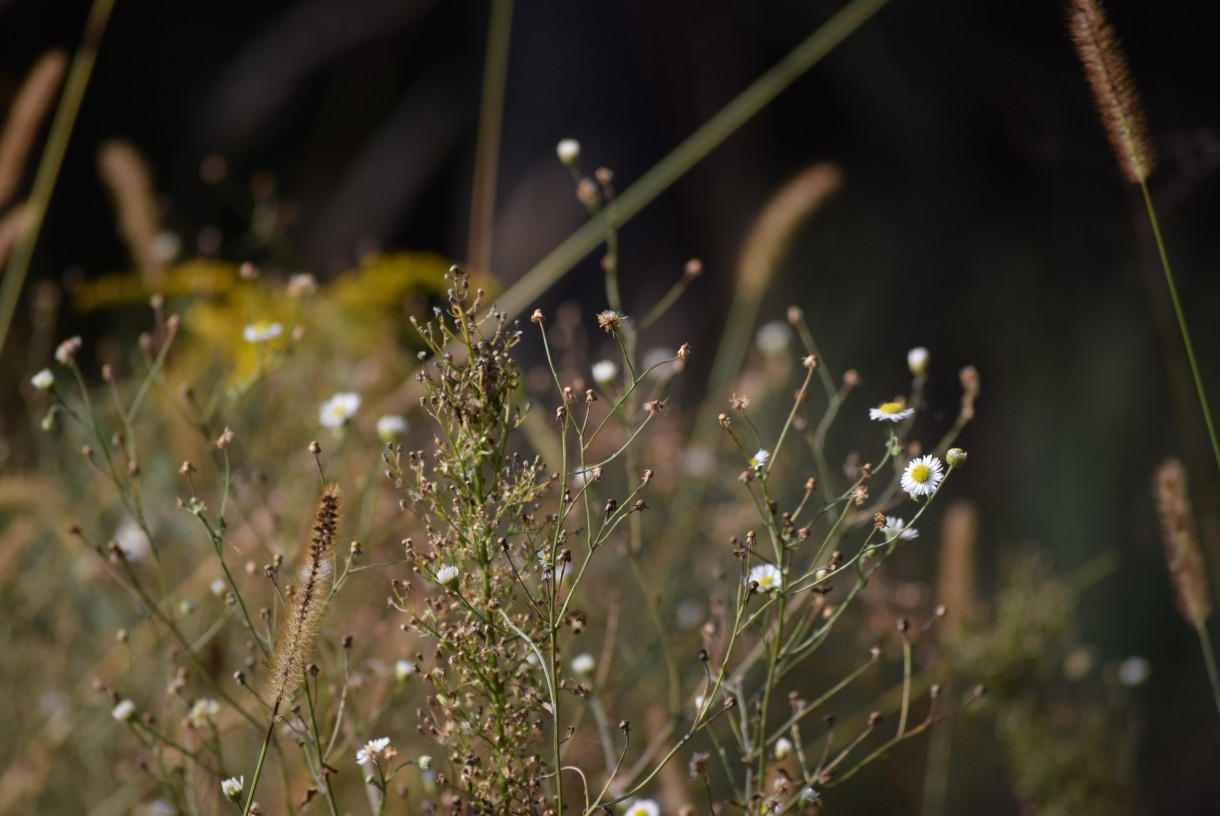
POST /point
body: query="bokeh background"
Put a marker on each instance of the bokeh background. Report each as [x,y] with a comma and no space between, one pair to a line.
[981,215]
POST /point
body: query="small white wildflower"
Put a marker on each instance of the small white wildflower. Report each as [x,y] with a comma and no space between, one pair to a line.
[124,711]
[403,669]
[783,747]
[583,664]
[65,353]
[166,246]
[773,338]
[568,151]
[809,796]
[767,576]
[44,380]
[922,476]
[262,331]
[643,807]
[604,372]
[761,458]
[447,574]
[132,540]
[219,587]
[302,285]
[371,749]
[392,428]
[232,787]
[337,410]
[890,412]
[1134,671]
[424,762]
[203,711]
[917,361]
[895,526]
[162,807]
[699,701]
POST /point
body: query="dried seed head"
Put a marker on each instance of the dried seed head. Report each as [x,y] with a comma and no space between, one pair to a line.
[1181,538]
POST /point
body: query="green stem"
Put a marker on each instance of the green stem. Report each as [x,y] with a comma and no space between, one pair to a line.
[1177,308]
[1205,643]
[35,209]
[491,114]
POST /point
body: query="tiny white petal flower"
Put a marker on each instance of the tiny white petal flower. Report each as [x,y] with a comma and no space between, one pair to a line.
[337,410]
[124,711]
[583,664]
[922,476]
[1134,671]
[392,428]
[232,787]
[895,526]
[371,749]
[783,747]
[262,331]
[767,576]
[604,372]
[424,762]
[699,701]
[44,380]
[890,412]
[917,361]
[66,351]
[773,338]
[219,587]
[301,285]
[132,540]
[403,669]
[760,459]
[447,574]
[643,807]
[568,151]
[203,711]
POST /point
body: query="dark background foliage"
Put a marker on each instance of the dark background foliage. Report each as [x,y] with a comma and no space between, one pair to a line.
[982,215]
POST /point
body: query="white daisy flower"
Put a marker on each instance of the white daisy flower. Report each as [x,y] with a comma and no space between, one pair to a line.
[604,372]
[447,574]
[219,588]
[761,458]
[1134,671]
[583,664]
[783,747]
[890,412]
[922,476]
[131,540]
[44,380]
[895,526]
[262,331]
[773,338]
[232,787]
[643,807]
[403,669]
[767,576]
[917,361]
[371,749]
[568,151]
[424,762]
[337,410]
[392,428]
[203,711]
[124,711]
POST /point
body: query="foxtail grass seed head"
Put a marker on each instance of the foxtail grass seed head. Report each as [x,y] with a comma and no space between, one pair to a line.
[922,476]
[25,117]
[339,409]
[1118,101]
[895,411]
[1180,536]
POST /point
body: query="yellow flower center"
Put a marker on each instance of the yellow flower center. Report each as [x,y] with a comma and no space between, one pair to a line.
[891,408]
[921,473]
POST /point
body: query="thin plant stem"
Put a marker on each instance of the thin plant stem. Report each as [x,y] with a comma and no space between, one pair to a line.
[60,134]
[1177,309]
[1209,657]
[487,152]
[689,153]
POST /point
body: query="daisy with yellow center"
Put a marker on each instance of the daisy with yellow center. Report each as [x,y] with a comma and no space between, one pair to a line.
[890,412]
[767,576]
[643,807]
[922,476]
